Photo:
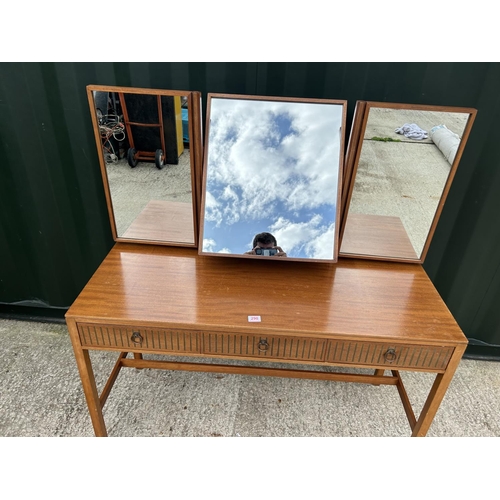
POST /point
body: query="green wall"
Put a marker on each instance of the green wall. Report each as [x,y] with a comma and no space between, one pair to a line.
[54,229]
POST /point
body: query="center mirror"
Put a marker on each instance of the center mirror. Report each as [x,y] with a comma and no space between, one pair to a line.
[149,146]
[272,177]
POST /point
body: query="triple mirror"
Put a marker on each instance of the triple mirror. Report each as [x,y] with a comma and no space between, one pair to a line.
[272,177]
[400,165]
[149,147]
[274,183]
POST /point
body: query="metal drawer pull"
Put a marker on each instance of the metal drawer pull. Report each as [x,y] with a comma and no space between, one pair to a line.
[136,338]
[390,355]
[263,346]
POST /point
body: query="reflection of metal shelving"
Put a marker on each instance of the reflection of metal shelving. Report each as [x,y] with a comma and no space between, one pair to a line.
[134,155]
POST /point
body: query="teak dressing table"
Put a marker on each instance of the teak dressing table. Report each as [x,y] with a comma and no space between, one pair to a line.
[161,300]
[383,316]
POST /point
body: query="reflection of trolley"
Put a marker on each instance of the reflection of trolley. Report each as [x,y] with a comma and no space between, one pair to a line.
[134,154]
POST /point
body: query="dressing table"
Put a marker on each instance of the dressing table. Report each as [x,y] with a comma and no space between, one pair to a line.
[305,319]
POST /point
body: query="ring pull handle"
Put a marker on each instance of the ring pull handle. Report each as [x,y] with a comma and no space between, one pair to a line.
[263,345]
[136,338]
[390,355]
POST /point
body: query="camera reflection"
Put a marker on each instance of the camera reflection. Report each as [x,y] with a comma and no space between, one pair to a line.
[265,244]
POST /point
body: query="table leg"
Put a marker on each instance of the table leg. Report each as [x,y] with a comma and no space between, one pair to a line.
[88,381]
[405,400]
[379,373]
[138,355]
[437,393]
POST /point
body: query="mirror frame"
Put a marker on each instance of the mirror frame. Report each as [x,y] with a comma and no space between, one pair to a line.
[195,151]
[337,195]
[353,156]
[352,147]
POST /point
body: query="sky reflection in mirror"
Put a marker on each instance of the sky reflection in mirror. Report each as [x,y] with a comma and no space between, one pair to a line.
[272,166]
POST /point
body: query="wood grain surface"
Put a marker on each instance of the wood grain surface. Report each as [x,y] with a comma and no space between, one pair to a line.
[352,299]
[376,235]
[164,221]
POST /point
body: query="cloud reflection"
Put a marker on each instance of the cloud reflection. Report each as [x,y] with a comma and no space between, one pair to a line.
[272,166]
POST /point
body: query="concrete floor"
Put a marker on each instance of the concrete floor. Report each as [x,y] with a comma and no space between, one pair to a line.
[41,395]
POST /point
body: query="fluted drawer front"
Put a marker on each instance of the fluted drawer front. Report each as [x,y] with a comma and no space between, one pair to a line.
[390,355]
[264,346]
[125,337]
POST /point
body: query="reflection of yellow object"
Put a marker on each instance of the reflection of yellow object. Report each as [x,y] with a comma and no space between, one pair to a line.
[178,124]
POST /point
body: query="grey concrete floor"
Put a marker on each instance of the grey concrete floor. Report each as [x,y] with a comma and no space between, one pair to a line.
[41,395]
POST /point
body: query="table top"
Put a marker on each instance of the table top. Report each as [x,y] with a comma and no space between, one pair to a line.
[175,287]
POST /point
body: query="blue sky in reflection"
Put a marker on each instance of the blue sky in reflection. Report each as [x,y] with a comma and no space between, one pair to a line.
[272,166]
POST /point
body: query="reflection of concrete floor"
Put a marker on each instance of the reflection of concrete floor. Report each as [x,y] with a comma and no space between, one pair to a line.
[42,396]
[403,179]
[383,122]
[133,188]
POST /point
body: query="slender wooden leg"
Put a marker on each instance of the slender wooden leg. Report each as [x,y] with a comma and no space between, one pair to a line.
[138,355]
[405,400]
[112,379]
[379,373]
[88,381]
[437,393]
[90,390]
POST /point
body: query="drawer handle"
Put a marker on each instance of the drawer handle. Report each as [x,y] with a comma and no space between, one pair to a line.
[390,355]
[136,338]
[263,346]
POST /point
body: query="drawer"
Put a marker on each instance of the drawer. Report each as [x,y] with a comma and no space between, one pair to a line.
[264,346]
[126,337]
[389,355]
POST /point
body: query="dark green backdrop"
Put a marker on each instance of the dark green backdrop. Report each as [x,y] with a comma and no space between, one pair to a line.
[54,229]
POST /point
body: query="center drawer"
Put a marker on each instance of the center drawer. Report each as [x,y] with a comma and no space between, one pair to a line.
[264,346]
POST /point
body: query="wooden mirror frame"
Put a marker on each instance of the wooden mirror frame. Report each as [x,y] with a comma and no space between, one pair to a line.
[335,195]
[352,147]
[352,161]
[195,151]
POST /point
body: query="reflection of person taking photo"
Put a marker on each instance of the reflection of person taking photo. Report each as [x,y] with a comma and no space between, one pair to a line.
[265,244]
